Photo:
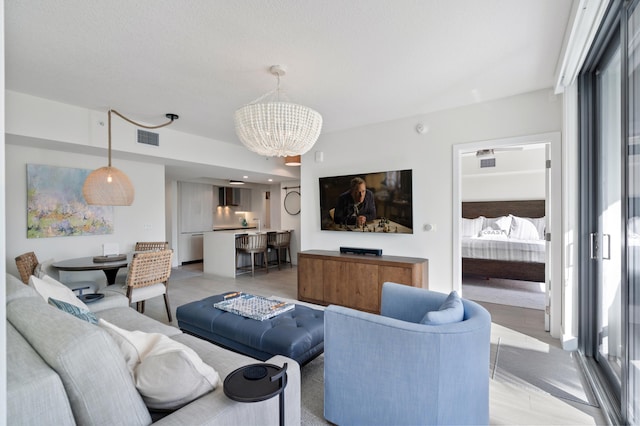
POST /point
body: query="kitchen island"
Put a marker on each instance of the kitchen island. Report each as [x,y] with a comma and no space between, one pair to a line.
[219,256]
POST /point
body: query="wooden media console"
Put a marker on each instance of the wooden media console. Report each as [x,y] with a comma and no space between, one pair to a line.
[355,281]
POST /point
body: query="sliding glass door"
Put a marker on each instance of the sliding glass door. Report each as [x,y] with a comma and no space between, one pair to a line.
[632,229]
[608,206]
[610,218]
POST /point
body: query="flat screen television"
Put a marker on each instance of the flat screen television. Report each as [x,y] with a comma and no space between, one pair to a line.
[378,202]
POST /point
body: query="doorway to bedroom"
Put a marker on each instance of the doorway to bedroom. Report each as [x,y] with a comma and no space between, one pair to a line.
[503,194]
[503,188]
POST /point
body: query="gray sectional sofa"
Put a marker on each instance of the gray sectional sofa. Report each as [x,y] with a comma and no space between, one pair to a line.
[62,370]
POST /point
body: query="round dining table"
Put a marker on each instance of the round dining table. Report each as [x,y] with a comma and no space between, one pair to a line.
[110,268]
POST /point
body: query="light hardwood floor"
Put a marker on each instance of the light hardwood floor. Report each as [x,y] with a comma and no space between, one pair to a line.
[533,381]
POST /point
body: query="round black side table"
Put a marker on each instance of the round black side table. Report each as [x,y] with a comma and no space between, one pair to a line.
[257,382]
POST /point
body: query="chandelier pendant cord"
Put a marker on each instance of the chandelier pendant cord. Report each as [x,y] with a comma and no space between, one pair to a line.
[278,88]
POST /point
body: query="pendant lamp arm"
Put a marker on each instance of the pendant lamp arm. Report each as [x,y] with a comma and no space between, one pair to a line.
[171,118]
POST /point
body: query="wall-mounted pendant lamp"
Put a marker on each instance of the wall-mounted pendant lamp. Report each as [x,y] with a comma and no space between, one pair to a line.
[108,186]
[292,160]
[274,127]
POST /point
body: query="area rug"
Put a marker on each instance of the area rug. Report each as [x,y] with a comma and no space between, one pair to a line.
[525,294]
[312,389]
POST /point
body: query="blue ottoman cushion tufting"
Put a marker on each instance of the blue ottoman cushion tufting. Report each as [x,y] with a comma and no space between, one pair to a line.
[297,334]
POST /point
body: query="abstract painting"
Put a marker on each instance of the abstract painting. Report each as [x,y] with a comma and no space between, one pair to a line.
[56,206]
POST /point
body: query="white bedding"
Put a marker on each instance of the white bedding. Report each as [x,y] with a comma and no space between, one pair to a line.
[503,249]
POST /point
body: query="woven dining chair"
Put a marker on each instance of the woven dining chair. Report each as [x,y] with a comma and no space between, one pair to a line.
[252,244]
[148,277]
[279,241]
[151,245]
[27,264]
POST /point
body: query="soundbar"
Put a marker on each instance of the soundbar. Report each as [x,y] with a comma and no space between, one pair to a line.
[358,250]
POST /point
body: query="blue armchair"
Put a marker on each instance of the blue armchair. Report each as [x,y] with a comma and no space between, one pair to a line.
[389,369]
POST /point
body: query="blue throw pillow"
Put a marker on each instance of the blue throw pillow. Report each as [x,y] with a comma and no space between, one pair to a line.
[83,314]
[450,311]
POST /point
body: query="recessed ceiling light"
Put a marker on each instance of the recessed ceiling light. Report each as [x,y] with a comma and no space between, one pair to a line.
[245,177]
[270,180]
[236,182]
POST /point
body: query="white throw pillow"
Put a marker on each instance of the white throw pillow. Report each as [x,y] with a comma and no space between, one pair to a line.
[493,234]
[522,228]
[541,225]
[471,227]
[503,223]
[167,373]
[48,287]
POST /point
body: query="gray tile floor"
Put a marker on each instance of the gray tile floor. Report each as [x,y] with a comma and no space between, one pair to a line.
[533,381]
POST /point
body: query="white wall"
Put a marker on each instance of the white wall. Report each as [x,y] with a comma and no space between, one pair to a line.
[81,130]
[518,175]
[144,220]
[396,145]
[77,137]
[3,329]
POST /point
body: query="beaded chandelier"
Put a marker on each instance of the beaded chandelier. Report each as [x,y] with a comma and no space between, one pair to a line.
[276,128]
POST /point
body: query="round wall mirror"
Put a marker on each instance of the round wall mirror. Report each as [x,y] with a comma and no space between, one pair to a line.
[292,203]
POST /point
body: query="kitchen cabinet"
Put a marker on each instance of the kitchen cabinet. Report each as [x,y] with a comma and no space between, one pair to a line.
[190,249]
[195,215]
[195,207]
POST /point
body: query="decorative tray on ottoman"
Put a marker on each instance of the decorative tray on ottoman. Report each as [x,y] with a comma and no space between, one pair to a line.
[255,307]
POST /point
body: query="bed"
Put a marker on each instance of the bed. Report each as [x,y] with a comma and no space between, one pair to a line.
[498,239]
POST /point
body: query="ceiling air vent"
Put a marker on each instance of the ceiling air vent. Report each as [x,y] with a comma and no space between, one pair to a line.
[487,162]
[148,138]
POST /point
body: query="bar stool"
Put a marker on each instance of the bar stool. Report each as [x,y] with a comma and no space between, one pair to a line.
[252,244]
[278,241]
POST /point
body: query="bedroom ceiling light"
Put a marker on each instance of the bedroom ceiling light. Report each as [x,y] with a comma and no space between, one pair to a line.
[273,127]
[108,186]
[292,160]
[485,153]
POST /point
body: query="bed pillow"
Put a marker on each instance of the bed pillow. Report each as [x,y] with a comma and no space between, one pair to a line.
[541,225]
[471,227]
[493,234]
[502,223]
[167,373]
[522,228]
[450,311]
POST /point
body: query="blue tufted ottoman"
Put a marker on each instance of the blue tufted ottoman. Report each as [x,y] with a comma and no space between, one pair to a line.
[297,334]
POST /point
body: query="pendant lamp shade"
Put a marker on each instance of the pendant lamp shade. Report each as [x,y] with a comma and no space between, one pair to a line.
[277,128]
[108,186]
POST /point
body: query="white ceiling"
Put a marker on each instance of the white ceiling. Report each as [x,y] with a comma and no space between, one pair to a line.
[357,62]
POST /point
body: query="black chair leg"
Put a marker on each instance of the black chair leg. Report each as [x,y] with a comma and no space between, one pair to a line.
[166,303]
